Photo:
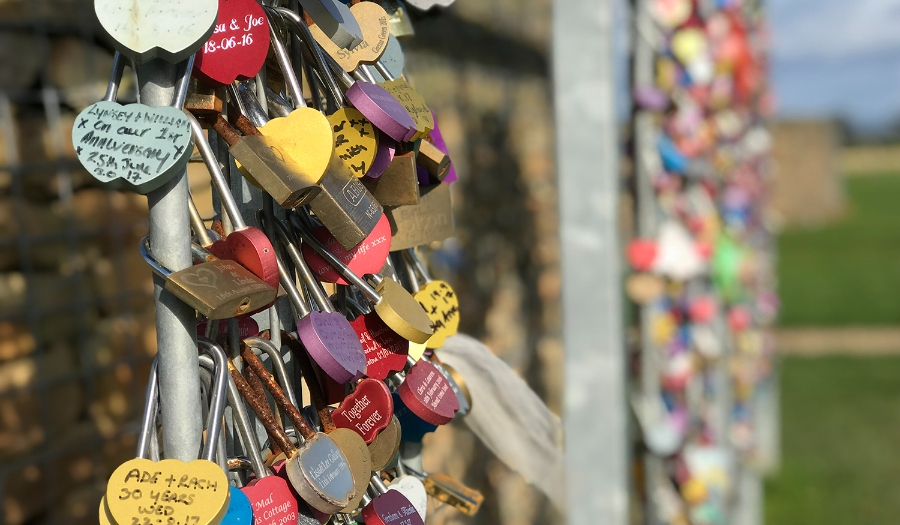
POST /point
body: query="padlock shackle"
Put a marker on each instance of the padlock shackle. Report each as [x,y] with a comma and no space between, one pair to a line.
[264,413]
[312,284]
[267,346]
[383,71]
[115,78]
[215,172]
[248,104]
[151,409]
[316,393]
[287,71]
[281,399]
[197,224]
[307,38]
[298,302]
[336,263]
[246,432]
[217,405]
[144,247]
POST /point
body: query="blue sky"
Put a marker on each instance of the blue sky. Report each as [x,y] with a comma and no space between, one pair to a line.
[837,58]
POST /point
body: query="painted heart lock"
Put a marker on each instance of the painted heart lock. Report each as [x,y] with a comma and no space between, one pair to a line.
[305,134]
[267,491]
[427,393]
[170,491]
[132,147]
[390,507]
[241,247]
[240,512]
[413,103]
[376,28]
[238,45]
[355,140]
[367,411]
[385,349]
[169,29]
[414,490]
[366,257]
[442,306]
[412,427]
[382,110]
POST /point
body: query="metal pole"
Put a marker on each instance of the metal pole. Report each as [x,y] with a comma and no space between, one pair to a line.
[596,413]
[176,324]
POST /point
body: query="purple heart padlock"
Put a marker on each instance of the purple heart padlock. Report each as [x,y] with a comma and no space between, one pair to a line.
[383,157]
[329,338]
[382,110]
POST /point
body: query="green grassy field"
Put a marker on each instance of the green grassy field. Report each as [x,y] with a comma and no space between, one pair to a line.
[848,272]
[841,443]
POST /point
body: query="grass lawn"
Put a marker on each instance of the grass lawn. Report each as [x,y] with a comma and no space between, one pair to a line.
[841,443]
[848,272]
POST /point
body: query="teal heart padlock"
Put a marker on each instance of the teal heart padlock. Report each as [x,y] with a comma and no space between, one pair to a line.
[134,147]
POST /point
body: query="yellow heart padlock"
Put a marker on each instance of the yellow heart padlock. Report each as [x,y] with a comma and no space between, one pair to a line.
[355,139]
[439,301]
[170,492]
[413,103]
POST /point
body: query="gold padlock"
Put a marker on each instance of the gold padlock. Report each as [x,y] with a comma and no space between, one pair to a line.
[398,185]
[428,221]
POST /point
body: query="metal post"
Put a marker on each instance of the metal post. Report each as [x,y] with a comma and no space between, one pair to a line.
[176,326]
[596,413]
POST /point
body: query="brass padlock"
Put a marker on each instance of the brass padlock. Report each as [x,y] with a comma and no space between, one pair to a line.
[428,221]
[216,288]
[432,160]
[203,100]
[345,206]
[267,163]
[398,185]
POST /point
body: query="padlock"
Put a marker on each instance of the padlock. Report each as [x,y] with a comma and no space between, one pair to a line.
[425,5]
[392,303]
[435,162]
[146,29]
[366,257]
[386,445]
[350,442]
[134,147]
[130,481]
[318,470]
[457,384]
[449,491]
[411,101]
[203,100]
[270,496]
[367,410]
[399,184]
[392,59]
[388,505]
[401,24]
[426,393]
[326,334]
[247,245]
[375,26]
[268,164]
[336,22]
[428,221]
[411,487]
[437,298]
[213,373]
[238,45]
[217,289]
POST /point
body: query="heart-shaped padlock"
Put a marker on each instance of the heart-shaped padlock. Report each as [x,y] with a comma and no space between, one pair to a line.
[355,140]
[367,411]
[385,349]
[169,29]
[134,147]
[238,45]
[366,257]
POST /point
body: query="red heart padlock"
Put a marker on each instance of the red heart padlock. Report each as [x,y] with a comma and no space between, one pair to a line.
[247,327]
[272,500]
[366,257]
[427,393]
[390,507]
[238,45]
[367,411]
[641,254]
[385,349]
